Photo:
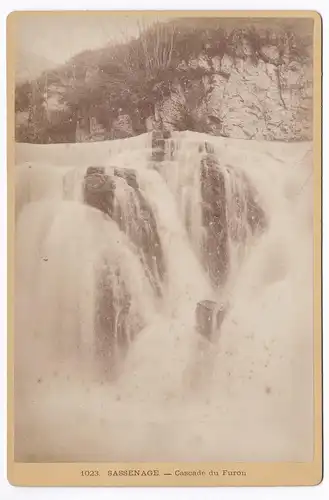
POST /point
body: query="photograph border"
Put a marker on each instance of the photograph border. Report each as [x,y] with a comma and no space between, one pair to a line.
[160,473]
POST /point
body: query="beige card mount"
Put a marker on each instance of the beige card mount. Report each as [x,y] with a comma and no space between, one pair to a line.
[164,228]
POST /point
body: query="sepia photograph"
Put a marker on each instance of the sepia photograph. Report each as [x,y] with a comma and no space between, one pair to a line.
[164,238]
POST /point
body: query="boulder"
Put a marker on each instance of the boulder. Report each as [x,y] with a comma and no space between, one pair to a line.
[99,190]
[209,317]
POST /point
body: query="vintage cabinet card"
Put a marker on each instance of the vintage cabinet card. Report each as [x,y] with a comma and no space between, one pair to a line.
[165,248]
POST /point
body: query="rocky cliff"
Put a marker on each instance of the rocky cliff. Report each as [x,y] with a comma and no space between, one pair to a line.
[232,78]
[269,99]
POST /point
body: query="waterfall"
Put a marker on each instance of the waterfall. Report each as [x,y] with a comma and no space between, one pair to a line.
[118,250]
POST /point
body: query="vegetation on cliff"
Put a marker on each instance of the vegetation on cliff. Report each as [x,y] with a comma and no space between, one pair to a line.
[182,73]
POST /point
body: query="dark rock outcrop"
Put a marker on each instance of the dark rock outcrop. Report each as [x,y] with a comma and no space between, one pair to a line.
[99,190]
[128,175]
[255,215]
[139,224]
[215,245]
[115,326]
[158,145]
[141,227]
[221,220]
[209,317]
[163,148]
[248,216]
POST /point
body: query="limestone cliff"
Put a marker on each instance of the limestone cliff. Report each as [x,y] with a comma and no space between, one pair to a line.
[269,99]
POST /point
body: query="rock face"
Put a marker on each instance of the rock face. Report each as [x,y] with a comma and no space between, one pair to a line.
[268,98]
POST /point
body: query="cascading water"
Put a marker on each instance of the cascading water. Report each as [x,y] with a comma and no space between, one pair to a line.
[113,254]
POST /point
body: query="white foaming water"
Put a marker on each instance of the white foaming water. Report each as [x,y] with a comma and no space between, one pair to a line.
[237,212]
[255,399]
[183,178]
[36,181]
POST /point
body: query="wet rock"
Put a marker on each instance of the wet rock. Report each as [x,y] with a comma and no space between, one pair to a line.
[214,219]
[133,215]
[158,145]
[209,317]
[128,175]
[256,216]
[114,328]
[147,238]
[95,170]
[249,216]
[99,190]
[265,95]
[141,227]
[172,148]
[162,145]
[228,211]
[209,148]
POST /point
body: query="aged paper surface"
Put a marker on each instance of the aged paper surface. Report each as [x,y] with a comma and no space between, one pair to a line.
[165,240]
